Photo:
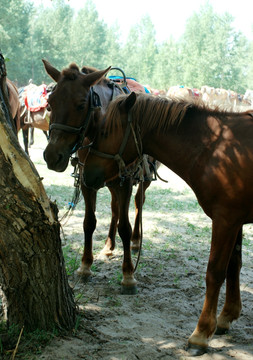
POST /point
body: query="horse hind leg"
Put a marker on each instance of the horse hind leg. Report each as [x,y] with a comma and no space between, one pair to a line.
[233,305]
[31,141]
[46,134]
[139,201]
[224,238]
[25,133]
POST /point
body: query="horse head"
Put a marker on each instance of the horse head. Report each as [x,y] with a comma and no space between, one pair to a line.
[70,112]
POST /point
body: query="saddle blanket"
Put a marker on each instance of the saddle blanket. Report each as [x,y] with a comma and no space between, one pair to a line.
[35,97]
[132,84]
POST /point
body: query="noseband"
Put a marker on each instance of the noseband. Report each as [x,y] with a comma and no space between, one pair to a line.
[94,104]
[124,170]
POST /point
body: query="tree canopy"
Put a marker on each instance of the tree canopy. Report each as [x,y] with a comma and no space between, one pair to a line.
[210,51]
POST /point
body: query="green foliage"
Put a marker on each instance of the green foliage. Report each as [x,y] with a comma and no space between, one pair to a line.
[31,343]
[14,35]
[88,37]
[210,52]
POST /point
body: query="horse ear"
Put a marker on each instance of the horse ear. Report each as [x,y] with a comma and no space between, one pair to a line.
[128,102]
[94,77]
[52,72]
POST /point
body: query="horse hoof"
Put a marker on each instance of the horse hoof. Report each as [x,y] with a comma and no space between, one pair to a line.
[135,250]
[105,255]
[84,273]
[196,350]
[221,331]
[135,246]
[129,290]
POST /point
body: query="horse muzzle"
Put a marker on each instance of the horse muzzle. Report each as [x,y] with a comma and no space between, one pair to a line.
[56,161]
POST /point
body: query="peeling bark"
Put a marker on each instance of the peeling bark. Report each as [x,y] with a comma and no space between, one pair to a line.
[32,272]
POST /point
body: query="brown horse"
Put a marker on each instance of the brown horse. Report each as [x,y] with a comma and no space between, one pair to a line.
[19,114]
[212,151]
[14,103]
[77,105]
[32,119]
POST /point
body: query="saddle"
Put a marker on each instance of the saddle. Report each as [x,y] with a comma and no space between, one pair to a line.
[129,84]
[35,97]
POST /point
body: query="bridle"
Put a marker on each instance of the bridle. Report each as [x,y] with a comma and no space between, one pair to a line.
[94,104]
[125,170]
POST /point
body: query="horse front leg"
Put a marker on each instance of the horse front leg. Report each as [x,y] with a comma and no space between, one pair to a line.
[110,241]
[89,226]
[128,283]
[233,305]
[223,242]
[139,201]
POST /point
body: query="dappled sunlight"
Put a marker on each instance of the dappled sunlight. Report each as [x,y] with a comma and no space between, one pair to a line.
[246,287]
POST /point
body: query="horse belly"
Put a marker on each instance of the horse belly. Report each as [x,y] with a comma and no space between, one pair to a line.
[39,121]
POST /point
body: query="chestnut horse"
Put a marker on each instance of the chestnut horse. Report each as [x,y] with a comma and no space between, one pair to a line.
[77,105]
[12,93]
[32,119]
[212,151]
[19,114]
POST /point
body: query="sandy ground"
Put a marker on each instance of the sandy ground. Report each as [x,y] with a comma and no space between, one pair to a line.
[157,321]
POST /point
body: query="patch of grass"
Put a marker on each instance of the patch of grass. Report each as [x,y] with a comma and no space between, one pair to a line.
[113,301]
[31,343]
[116,278]
[71,259]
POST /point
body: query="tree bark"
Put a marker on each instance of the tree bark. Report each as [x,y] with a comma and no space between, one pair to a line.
[36,293]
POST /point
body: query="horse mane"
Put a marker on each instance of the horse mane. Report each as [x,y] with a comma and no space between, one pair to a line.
[161,113]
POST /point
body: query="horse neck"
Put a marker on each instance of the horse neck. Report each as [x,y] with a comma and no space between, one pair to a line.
[170,153]
[176,151]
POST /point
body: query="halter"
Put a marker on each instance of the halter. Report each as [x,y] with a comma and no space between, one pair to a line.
[94,104]
[125,171]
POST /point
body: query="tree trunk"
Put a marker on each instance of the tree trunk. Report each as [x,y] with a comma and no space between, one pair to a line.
[33,279]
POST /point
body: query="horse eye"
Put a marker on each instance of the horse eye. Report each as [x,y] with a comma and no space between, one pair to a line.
[48,107]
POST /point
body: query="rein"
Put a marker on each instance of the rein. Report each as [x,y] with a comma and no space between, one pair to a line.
[123,170]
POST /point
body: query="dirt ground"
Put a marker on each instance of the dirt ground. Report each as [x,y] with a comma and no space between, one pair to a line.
[157,321]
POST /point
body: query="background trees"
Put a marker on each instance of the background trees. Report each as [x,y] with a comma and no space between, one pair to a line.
[210,52]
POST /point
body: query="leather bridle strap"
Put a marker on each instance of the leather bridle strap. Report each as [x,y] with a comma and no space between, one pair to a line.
[81,131]
[123,171]
[69,129]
